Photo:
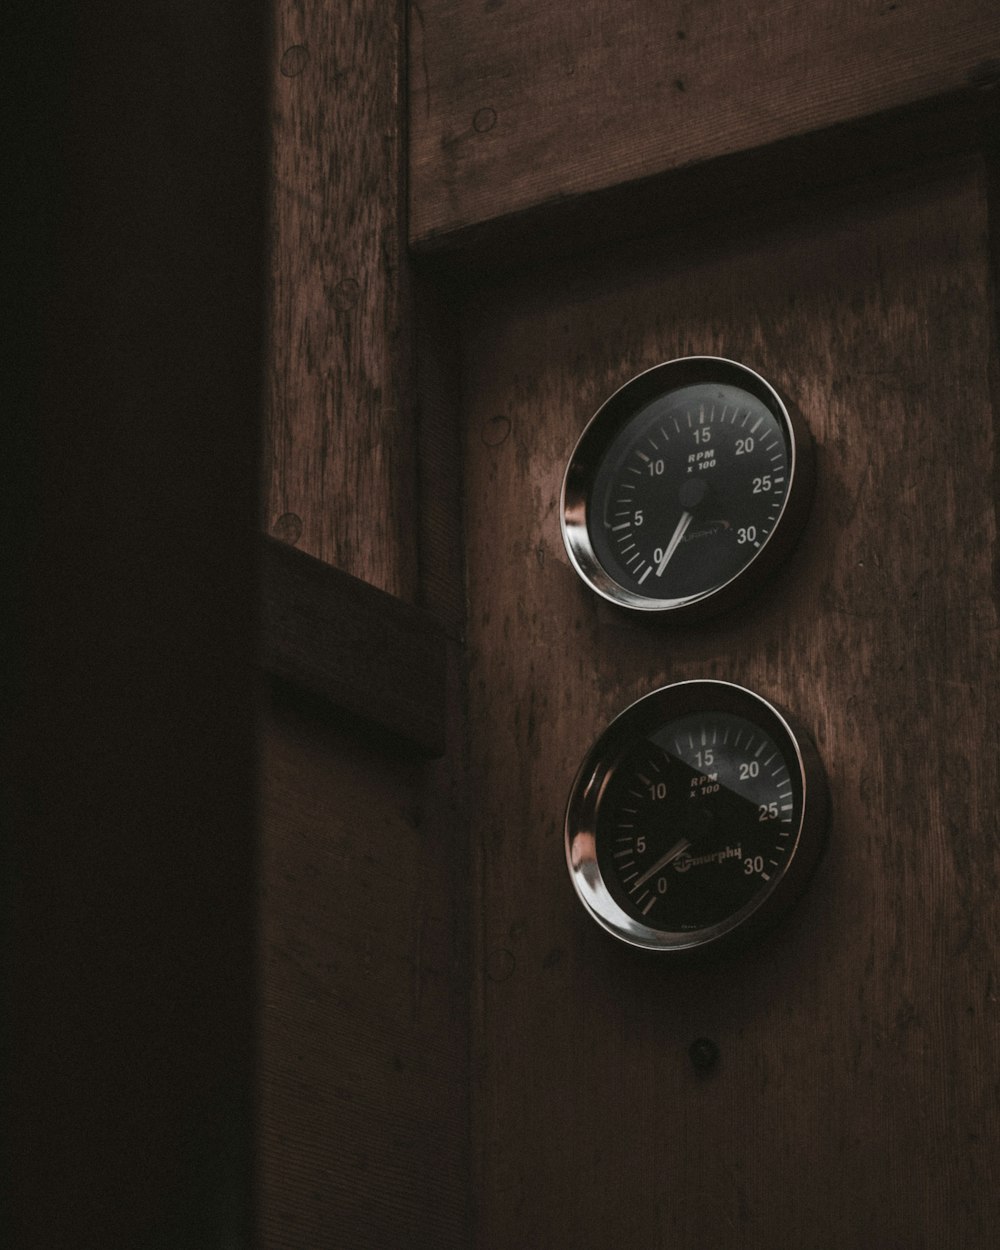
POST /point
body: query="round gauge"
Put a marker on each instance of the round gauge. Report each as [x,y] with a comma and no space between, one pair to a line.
[696,819]
[689,485]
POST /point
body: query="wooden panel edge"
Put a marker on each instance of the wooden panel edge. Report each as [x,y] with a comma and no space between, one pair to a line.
[353,647]
[524,106]
[883,143]
[991,159]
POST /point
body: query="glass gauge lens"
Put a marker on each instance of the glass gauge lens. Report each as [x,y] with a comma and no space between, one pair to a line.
[687,487]
[697,820]
[697,817]
[698,475]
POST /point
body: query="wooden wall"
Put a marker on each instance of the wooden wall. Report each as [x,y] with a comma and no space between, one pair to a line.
[517,105]
[855,1101]
[364,1006]
[809,190]
[341,447]
[452,1054]
[363,1012]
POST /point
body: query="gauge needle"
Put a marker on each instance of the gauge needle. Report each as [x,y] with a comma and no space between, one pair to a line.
[662,862]
[674,543]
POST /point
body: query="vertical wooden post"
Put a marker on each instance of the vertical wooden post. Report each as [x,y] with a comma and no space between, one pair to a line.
[341,474]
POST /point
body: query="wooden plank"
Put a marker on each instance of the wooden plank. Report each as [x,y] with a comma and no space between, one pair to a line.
[363,1128]
[353,646]
[798,167]
[522,104]
[341,467]
[363,1122]
[129,752]
[862,1037]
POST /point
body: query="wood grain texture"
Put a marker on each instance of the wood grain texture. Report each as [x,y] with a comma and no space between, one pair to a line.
[363,1132]
[354,647]
[518,104]
[856,1102]
[794,168]
[341,473]
[363,1122]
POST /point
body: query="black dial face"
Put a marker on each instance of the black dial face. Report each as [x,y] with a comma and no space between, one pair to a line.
[689,491]
[688,484]
[696,818]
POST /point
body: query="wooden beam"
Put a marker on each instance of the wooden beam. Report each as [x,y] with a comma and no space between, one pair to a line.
[520,106]
[873,1008]
[761,180]
[340,467]
[354,647]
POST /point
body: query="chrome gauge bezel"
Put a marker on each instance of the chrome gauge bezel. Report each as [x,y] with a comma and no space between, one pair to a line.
[639,720]
[598,436]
